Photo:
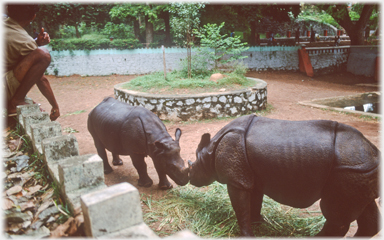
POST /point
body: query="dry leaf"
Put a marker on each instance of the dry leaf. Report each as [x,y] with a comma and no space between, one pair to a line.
[13,190]
[75,225]
[61,230]
[27,205]
[7,204]
[43,206]
[48,194]
[33,190]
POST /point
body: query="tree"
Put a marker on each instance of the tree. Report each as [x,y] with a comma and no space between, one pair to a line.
[134,12]
[246,16]
[211,38]
[54,15]
[353,26]
[186,17]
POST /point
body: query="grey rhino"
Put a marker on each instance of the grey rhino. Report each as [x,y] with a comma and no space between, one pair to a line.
[295,163]
[127,130]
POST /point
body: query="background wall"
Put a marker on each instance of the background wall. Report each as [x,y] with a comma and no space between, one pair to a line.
[144,61]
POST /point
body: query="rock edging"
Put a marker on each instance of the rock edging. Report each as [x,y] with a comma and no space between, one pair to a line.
[186,107]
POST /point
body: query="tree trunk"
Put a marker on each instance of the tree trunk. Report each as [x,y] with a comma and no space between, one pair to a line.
[189,56]
[356,36]
[253,33]
[355,30]
[148,31]
[77,31]
[136,29]
[168,41]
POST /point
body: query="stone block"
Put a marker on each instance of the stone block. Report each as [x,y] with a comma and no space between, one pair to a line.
[58,148]
[41,131]
[81,172]
[80,175]
[26,109]
[111,210]
[136,232]
[33,118]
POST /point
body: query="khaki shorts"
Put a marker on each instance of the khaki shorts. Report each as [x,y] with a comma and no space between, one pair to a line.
[11,84]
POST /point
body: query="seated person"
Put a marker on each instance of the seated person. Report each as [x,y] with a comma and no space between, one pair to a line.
[25,62]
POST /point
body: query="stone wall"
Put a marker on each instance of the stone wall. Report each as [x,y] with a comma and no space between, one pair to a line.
[80,179]
[327,60]
[362,60]
[144,61]
[198,106]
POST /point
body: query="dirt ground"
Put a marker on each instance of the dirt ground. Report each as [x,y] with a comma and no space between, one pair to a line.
[78,95]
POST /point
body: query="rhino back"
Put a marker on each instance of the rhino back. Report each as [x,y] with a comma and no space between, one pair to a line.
[291,159]
[116,126]
[149,127]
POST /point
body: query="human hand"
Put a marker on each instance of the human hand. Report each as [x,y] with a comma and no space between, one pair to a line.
[55,113]
[43,38]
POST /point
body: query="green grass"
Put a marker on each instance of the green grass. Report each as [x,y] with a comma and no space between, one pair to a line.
[208,213]
[156,82]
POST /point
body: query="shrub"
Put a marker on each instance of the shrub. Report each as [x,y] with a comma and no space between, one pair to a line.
[91,44]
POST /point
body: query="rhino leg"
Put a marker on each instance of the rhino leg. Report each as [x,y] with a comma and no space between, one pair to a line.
[141,167]
[116,160]
[368,221]
[241,203]
[164,184]
[256,204]
[103,155]
[330,229]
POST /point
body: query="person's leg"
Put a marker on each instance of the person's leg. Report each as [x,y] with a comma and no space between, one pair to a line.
[28,72]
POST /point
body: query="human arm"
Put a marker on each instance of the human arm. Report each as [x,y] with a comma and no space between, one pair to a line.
[43,38]
[46,90]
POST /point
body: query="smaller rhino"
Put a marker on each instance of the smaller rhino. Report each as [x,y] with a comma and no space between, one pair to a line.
[123,129]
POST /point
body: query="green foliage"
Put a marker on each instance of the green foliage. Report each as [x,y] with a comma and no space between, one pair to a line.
[222,45]
[208,213]
[318,16]
[177,80]
[118,31]
[91,44]
[199,66]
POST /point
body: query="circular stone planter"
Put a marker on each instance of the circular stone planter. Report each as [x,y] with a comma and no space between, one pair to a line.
[198,106]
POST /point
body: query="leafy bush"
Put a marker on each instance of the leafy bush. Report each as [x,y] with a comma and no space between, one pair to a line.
[199,66]
[91,44]
[222,45]
[118,31]
[177,80]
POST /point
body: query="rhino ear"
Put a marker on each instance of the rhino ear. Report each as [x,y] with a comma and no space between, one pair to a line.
[177,134]
[205,140]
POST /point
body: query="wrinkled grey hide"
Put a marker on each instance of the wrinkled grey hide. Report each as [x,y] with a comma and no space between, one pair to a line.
[135,131]
[295,163]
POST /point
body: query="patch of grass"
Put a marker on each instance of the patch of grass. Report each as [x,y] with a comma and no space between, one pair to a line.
[70,130]
[208,213]
[156,81]
[74,113]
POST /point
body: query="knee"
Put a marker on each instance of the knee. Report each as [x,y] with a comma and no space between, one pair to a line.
[43,55]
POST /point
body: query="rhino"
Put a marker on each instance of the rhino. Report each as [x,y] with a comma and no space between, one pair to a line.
[123,129]
[295,163]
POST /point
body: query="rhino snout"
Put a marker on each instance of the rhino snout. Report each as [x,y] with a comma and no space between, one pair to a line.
[179,174]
